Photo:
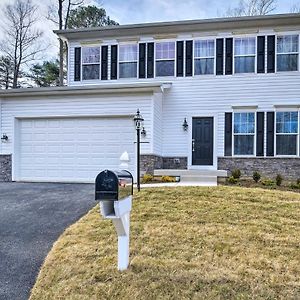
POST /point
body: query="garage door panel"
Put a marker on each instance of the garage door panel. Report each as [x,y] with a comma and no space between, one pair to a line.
[73,149]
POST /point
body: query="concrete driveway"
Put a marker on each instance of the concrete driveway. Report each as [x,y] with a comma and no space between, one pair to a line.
[32,216]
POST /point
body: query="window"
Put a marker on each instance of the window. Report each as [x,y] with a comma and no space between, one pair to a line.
[90,63]
[165,58]
[204,55]
[244,55]
[244,133]
[286,133]
[287,53]
[128,61]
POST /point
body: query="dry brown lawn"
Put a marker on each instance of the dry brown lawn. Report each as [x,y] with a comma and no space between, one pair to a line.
[186,243]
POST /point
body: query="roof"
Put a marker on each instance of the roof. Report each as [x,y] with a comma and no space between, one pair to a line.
[217,24]
[105,88]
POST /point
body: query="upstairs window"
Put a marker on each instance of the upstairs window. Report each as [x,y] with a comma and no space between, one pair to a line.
[244,133]
[244,55]
[287,52]
[165,58]
[128,56]
[90,63]
[287,133]
[204,56]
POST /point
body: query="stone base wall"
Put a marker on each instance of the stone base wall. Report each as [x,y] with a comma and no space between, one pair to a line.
[5,167]
[269,167]
[151,162]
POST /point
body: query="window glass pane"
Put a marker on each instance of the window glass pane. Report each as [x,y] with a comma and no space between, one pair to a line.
[204,66]
[204,48]
[165,68]
[287,122]
[165,50]
[128,52]
[244,123]
[286,144]
[244,46]
[244,144]
[90,55]
[244,64]
[128,70]
[287,62]
[287,43]
[90,72]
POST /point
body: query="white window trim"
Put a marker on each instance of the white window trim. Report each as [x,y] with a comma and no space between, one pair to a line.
[276,52]
[165,59]
[253,134]
[297,134]
[244,55]
[203,57]
[87,64]
[129,61]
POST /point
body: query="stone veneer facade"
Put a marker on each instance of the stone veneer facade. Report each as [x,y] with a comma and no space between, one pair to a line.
[151,162]
[269,167]
[5,167]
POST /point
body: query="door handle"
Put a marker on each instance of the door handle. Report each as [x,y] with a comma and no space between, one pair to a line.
[193,145]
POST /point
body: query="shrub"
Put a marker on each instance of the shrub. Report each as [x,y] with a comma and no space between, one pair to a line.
[232,180]
[295,186]
[268,182]
[236,173]
[298,181]
[168,179]
[256,176]
[147,178]
[279,180]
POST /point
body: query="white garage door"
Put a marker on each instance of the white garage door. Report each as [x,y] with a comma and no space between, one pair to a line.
[72,149]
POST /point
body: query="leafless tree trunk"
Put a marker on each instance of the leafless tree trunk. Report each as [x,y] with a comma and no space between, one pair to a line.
[20,35]
[252,8]
[295,9]
[59,13]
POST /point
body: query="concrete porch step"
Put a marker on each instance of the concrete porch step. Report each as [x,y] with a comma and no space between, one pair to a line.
[202,179]
[193,172]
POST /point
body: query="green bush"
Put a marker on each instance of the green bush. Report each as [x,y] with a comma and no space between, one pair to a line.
[256,176]
[168,179]
[278,180]
[147,178]
[298,181]
[295,186]
[232,180]
[236,173]
[268,182]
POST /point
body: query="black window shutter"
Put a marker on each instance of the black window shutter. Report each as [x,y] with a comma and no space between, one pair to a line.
[189,58]
[228,135]
[142,60]
[219,56]
[179,59]
[104,62]
[228,57]
[270,133]
[271,54]
[260,119]
[114,62]
[77,64]
[260,54]
[150,60]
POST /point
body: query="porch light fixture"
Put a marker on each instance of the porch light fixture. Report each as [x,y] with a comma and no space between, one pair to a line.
[143,132]
[185,125]
[4,137]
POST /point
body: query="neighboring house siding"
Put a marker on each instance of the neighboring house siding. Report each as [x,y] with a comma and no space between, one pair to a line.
[157,124]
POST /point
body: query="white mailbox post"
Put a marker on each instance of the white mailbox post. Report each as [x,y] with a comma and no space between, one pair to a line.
[114,190]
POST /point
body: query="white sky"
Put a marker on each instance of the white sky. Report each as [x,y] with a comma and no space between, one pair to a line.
[141,11]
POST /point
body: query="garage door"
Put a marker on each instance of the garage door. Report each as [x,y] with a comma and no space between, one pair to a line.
[72,149]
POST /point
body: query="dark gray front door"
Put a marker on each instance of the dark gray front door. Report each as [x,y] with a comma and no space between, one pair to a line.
[203,141]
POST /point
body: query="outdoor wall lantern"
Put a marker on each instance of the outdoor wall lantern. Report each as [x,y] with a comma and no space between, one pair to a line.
[138,120]
[143,132]
[4,137]
[185,125]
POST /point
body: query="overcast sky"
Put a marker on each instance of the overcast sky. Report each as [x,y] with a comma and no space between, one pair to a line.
[140,11]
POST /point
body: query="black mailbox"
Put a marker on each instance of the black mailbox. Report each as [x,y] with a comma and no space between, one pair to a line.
[113,185]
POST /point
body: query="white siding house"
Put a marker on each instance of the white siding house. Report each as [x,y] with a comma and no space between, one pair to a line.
[236,81]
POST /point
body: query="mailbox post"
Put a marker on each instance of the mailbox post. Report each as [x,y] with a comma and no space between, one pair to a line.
[114,190]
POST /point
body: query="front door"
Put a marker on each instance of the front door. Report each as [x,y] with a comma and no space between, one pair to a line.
[203,141]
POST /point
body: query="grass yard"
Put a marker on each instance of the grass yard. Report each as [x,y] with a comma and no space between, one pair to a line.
[186,243]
